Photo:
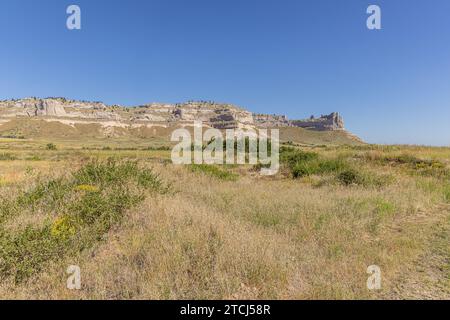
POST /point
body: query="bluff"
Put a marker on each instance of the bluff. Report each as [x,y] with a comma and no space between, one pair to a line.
[220,116]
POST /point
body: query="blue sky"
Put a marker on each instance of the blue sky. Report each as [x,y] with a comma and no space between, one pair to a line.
[293,57]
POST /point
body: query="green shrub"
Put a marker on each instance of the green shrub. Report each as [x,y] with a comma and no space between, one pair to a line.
[50,146]
[332,165]
[303,163]
[349,177]
[24,253]
[112,172]
[424,167]
[319,167]
[303,169]
[291,156]
[88,203]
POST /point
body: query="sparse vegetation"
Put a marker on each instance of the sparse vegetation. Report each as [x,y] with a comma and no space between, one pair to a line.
[225,232]
[301,164]
[7,157]
[214,171]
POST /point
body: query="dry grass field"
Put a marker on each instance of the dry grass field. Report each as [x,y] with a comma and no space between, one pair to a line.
[142,228]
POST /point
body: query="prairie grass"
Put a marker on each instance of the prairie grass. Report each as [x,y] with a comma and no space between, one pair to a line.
[225,232]
[7,157]
[214,171]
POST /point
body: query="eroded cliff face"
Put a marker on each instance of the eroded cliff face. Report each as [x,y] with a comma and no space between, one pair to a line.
[220,116]
[56,108]
[331,122]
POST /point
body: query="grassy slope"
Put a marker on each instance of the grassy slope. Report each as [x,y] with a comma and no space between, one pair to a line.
[92,133]
[310,137]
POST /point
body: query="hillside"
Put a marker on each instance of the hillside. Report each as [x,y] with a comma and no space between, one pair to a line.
[60,119]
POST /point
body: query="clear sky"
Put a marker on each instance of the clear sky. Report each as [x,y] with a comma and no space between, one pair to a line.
[293,57]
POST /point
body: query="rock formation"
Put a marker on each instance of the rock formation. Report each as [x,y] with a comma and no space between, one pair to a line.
[331,122]
[220,116]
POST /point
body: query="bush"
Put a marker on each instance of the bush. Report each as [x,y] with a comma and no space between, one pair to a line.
[303,163]
[349,177]
[291,156]
[51,146]
[24,253]
[88,203]
[332,165]
[303,169]
[424,167]
[353,176]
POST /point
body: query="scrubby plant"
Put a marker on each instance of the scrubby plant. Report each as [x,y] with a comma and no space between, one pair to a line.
[424,167]
[349,177]
[303,169]
[339,169]
[87,203]
[303,163]
[51,146]
[63,227]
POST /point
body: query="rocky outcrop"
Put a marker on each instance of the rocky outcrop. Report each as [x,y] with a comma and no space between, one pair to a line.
[220,116]
[56,108]
[331,122]
[267,120]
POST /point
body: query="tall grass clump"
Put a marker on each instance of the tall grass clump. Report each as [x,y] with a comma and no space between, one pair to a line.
[447,193]
[349,177]
[214,171]
[7,157]
[83,206]
[417,166]
[303,163]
